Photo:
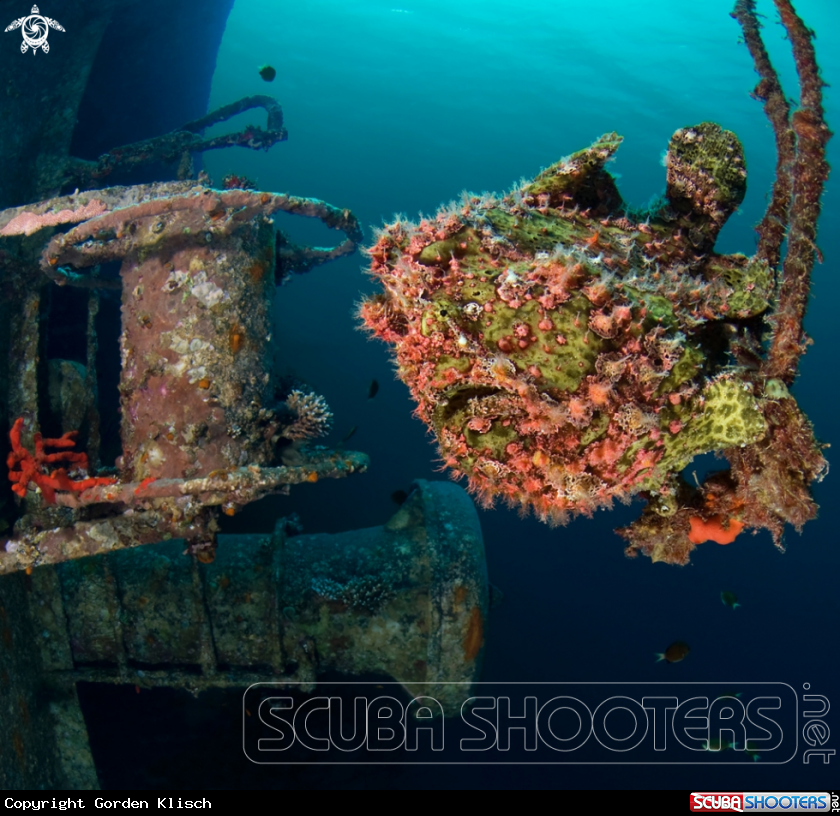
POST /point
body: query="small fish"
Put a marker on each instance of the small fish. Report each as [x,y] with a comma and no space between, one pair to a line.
[751,750]
[399,496]
[674,653]
[349,433]
[267,73]
[727,695]
[719,745]
[729,599]
[373,389]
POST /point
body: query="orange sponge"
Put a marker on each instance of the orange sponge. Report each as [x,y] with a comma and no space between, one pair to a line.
[713,530]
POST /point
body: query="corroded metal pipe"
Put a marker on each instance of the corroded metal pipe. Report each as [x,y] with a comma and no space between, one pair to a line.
[408,599]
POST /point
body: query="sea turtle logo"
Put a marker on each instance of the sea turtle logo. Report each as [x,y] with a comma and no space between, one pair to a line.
[35,30]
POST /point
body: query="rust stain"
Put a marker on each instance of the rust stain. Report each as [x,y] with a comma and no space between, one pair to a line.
[474,637]
[460,594]
[256,270]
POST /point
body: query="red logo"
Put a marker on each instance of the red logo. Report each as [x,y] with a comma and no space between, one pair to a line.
[717,802]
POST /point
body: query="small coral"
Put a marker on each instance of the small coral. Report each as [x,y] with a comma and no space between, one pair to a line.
[26,468]
[234,182]
[313,416]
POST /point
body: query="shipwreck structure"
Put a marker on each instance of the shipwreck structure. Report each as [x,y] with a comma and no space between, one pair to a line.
[408,600]
[204,428]
[200,426]
[139,401]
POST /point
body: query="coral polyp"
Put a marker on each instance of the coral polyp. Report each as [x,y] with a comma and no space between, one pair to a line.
[568,351]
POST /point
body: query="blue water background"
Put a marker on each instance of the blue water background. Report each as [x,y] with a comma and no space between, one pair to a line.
[396,106]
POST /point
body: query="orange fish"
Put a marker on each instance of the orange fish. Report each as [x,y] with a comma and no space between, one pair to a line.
[674,653]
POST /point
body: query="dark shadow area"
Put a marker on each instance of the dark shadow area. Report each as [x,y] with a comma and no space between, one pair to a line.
[131,97]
